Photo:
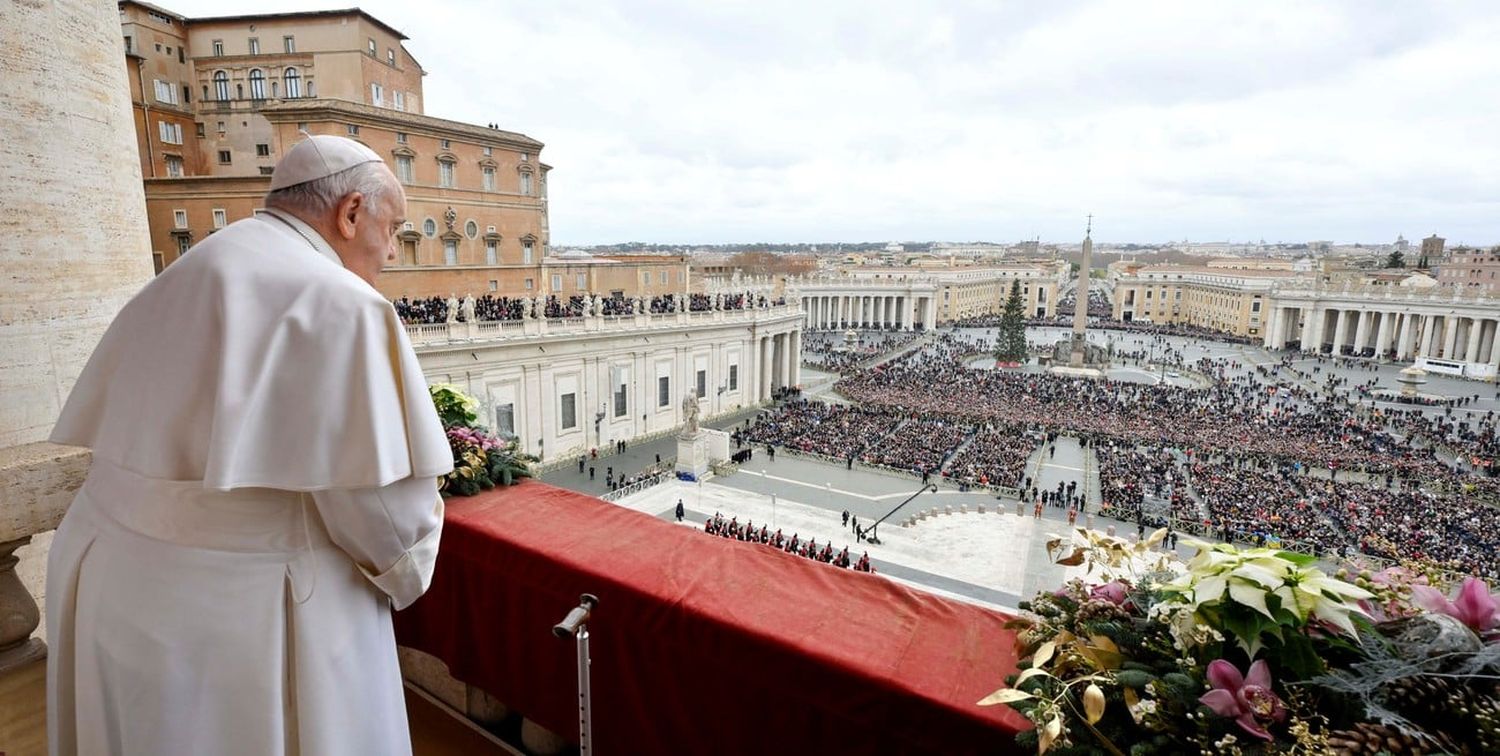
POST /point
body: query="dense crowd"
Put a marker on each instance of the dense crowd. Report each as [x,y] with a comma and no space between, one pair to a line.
[430,310]
[1262,453]
[731,528]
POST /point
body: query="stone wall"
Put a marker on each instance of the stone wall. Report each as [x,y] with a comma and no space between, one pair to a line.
[73,239]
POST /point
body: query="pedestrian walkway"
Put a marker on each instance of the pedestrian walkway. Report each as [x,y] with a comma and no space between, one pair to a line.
[636,458]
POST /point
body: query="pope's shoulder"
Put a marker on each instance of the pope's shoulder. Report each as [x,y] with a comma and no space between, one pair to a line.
[258,254]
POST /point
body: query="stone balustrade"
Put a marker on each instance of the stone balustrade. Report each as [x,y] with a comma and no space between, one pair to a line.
[37,483]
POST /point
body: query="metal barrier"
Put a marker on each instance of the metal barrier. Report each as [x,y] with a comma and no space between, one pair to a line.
[660,476]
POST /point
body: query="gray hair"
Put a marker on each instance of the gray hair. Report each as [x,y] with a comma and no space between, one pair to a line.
[320,196]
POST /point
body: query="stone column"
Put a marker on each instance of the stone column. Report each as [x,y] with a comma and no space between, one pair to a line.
[1494,341]
[1472,351]
[1361,330]
[76,248]
[1424,341]
[1268,340]
[1383,335]
[787,358]
[1312,322]
[929,317]
[765,368]
[1340,325]
[796,358]
[1450,336]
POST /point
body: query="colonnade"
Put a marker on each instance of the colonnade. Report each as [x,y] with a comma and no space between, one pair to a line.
[899,311]
[1387,333]
[780,362]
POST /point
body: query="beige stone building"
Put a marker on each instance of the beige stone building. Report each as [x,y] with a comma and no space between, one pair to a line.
[1225,299]
[218,100]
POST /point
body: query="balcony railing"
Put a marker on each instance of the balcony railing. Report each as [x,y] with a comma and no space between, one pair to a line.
[427,334]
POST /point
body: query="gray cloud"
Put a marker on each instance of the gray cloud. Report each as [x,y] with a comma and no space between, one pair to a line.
[777,120]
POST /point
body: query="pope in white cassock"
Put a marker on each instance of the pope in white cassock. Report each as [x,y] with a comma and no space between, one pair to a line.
[263,490]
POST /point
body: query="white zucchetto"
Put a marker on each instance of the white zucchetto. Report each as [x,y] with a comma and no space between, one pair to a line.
[319,157]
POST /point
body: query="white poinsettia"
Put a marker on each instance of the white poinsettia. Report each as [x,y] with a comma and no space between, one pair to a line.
[1220,577]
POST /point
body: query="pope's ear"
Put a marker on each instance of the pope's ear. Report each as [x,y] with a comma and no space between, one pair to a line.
[349,210]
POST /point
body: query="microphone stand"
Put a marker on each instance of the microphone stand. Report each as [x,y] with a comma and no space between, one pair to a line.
[871,530]
[575,625]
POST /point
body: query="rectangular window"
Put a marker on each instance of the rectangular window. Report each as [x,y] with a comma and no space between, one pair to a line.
[702,383]
[181,54]
[400,101]
[400,135]
[267,170]
[450,251]
[734,377]
[489,179]
[224,157]
[583,281]
[445,174]
[530,284]
[171,133]
[403,169]
[446,144]
[494,285]
[289,44]
[488,151]
[179,219]
[664,391]
[526,252]
[183,245]
[221,218]
[526,184]
[254,46]
[491,253]
[505,419]
[569,411]
[174,166]
[353,129]
[646,278]
[371,48]
[165,92]
[377,95]
[1255,306]
[218,48]
[262,150]
[664,276]
[390,56]
[556,282]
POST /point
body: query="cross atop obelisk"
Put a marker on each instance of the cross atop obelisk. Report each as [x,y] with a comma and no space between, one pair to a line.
[1081,298]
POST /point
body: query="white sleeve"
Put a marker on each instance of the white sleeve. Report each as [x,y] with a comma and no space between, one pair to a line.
[391,532]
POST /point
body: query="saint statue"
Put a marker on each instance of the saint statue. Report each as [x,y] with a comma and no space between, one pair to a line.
[690,415]
[468,308]
[452,306]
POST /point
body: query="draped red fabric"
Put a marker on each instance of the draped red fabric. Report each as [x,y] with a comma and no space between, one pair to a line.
[701,644]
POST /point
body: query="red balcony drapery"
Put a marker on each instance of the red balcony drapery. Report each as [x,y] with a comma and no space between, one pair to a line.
[701,644]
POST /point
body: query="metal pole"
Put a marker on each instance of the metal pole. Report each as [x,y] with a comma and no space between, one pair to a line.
[576,625]
[585,705]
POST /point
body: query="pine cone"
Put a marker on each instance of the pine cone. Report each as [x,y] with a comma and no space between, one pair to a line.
[1371,738]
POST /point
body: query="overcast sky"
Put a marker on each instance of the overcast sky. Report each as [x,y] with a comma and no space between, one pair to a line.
[778,120]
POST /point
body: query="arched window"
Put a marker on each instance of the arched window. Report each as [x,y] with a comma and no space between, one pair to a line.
[257,84]
[221,86]
[429,227]
[292,83]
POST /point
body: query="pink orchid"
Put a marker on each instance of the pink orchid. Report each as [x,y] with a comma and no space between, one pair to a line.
[1115,592]
[1475,606]
[1249,699]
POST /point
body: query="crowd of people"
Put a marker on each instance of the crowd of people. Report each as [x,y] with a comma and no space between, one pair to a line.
[489,308]
[829,351]
[1263,453]
[732,529]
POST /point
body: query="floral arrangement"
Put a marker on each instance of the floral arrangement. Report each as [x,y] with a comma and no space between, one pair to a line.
[481,459]
[1248,651]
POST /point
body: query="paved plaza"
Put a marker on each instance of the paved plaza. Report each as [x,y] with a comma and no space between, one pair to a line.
[995,558]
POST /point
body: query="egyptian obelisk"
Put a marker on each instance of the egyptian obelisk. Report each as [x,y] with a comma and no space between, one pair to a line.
[1081,300]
